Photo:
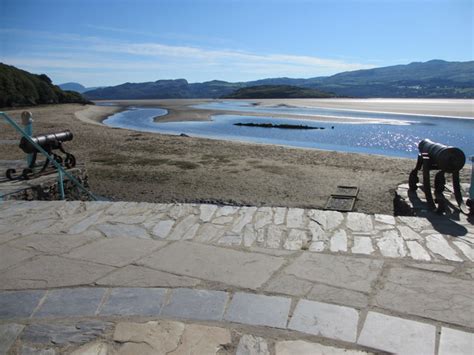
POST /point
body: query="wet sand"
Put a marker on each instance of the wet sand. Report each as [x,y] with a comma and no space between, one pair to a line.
[135,166]
[182,110]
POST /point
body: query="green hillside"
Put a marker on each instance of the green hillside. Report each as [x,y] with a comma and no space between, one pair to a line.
[432,79]
[277,92]
[20,88]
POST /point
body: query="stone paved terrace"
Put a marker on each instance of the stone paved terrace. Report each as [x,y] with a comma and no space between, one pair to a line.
[129,278]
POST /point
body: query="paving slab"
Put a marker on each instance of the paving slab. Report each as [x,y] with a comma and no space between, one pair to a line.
[115,252]
[52,271]
[415,223]
[134,302]
[279,215]
[94,348]
[5,235]
[122,230]
[252,345]
[289,285]
[396,335]
[408,234]
[71,302]
[359,222]
[64,332]
[385,219]
[417,252]
[158,337]
[248,270]
[139,276]
[466,249]
[12,256]
[454,341]
[54,244]
[337,295]
[328,220]
[163,228]
[84,223]
[182,227]
[247,308]
[434,267]
[19,304]
[362,245]
[8,334]
[348,272]
[438,245]
[29,350]
[295,218]
[338,241]
[427,294]
[391,244]
[296,239]
[196,304]
[35,226]
[301,347]
[206,212]
[327,320]
[200,339]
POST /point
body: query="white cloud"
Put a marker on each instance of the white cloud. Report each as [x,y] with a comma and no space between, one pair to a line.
[57,52]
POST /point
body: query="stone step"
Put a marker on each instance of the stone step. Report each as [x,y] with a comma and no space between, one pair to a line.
[103,307]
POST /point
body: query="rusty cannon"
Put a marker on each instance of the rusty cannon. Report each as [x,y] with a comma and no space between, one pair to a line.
[51,143]
[446,159]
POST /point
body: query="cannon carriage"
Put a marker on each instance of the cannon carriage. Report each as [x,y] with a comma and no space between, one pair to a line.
[51,143]
[444,159]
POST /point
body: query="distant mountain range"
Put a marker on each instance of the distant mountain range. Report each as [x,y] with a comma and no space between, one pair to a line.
[21,88]
[278,92]
[432,79]
[77,87]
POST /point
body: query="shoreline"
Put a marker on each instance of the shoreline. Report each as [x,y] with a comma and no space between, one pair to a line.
[127,165]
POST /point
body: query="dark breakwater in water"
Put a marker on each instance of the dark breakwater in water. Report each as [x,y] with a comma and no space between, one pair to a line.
[280,126]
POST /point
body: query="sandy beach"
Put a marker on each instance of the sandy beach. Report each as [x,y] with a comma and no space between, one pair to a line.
[134,166]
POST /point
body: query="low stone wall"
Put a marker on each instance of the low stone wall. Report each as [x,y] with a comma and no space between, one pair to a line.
[46,188]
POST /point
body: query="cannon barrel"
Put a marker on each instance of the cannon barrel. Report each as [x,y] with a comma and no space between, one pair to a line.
[46,141]
[448,159]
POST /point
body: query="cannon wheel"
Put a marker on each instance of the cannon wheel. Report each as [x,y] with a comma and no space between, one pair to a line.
[9,174]
[26,172]
[70,161]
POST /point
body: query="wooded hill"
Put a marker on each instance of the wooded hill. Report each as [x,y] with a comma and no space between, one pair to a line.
[21,88]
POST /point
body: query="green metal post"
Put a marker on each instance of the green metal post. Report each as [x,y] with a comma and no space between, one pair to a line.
[471,190]
[61,184]
[27,122]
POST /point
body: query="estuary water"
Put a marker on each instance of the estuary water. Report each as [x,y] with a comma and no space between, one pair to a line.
[363,132]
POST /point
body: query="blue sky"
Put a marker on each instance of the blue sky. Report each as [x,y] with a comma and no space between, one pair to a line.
[106,42]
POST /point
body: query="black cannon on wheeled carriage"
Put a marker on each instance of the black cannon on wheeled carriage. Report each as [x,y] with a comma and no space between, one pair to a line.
[51,143]
[446,159]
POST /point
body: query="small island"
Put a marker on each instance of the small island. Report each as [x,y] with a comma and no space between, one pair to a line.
[271,125]
[278,92]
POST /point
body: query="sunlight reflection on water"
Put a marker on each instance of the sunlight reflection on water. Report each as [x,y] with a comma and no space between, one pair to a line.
[386,137]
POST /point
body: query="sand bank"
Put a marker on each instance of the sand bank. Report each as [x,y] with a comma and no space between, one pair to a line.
[183,110]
